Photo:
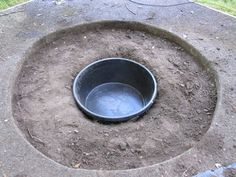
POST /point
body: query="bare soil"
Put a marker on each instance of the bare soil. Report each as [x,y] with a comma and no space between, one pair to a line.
[47,114]
[230,172]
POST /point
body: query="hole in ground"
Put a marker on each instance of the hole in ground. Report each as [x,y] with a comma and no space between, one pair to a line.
[114,89]
[46,113]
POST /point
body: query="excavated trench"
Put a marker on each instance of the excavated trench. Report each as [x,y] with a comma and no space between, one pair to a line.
[46,113]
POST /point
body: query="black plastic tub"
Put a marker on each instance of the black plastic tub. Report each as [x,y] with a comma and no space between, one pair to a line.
[114,89]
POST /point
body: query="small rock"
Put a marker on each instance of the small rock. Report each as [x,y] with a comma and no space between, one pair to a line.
[198,111]
[188,85]
[218,165]
[138,150]
[182,85]
[122,146]
[86,153]
[77,165]
[59,2]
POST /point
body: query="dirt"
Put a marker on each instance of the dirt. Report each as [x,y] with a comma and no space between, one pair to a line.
[47,114]
[230,172]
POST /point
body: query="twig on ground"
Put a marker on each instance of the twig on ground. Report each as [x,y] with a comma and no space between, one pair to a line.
[129,9]
[36,139]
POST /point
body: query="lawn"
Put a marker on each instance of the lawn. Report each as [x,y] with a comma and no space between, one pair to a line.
[8,3]
[228,6]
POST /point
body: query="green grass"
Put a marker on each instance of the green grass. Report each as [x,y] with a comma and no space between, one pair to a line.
[228,6]
[8,3]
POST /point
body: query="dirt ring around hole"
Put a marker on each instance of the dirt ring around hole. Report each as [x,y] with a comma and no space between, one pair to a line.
[47,115]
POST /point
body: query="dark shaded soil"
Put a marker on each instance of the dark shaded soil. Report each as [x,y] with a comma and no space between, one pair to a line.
[46,113]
